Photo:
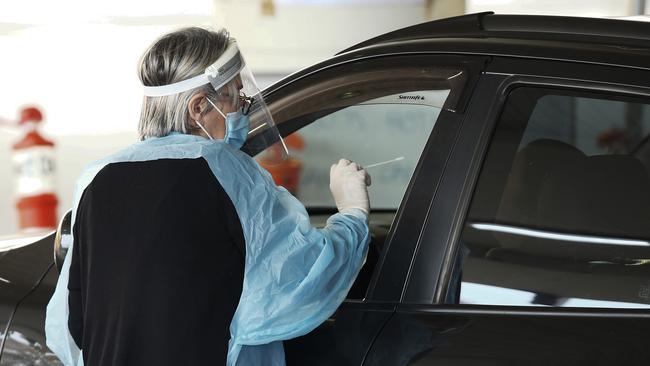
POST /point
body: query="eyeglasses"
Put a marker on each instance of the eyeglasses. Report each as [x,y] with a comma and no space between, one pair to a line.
[245,102]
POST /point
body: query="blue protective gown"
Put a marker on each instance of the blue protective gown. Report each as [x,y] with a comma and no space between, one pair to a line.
[295,275]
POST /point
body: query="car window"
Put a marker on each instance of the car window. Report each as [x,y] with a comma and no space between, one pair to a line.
[388,135]
[561,212]
[371,114]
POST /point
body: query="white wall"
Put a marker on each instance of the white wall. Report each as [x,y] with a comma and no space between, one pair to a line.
[84,78]
[300,35]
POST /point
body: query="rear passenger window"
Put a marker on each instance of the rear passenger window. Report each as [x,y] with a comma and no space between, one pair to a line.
[561,211]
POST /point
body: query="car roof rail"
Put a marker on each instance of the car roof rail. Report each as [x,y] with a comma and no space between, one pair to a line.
[464,25]
[540,27]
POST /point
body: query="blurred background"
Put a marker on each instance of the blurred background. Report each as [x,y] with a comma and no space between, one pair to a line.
[76,60]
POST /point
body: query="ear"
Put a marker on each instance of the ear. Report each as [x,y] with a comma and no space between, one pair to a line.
[195,106]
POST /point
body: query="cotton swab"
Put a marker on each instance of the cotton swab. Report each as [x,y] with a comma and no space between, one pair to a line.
[383,162]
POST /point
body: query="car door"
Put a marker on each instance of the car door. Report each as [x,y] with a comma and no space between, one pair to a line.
[24,262]
[538,251]
[402,109]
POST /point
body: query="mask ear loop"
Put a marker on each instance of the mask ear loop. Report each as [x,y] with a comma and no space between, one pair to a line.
[215,107]
[220,112]
[204,130]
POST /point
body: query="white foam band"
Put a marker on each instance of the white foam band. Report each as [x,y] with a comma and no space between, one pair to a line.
[175,88]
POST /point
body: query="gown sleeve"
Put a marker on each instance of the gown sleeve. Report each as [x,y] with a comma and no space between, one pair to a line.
[296,275]
[58,333]
[58,336]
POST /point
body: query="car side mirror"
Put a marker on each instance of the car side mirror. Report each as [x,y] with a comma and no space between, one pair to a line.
[62,240]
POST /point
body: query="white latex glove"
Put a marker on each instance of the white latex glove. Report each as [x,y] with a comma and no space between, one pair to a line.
[349,185]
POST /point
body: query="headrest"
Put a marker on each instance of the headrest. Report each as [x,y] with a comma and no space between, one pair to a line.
[606,194]
[531,168]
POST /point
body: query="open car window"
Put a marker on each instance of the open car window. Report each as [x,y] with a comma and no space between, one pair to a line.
[386,135]
[378,114]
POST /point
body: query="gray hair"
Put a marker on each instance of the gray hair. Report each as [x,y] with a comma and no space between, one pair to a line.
[174,57]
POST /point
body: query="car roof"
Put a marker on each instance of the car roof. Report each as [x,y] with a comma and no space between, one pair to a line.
[601,41]
[613,32]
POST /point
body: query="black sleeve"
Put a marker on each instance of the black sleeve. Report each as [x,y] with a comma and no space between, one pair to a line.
[75,317]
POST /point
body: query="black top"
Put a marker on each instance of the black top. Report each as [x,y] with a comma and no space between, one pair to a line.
[157,265]
[615,32]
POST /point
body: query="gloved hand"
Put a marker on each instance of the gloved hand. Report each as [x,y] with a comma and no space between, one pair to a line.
[349,185]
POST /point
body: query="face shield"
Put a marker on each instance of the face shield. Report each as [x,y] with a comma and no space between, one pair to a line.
[235,87]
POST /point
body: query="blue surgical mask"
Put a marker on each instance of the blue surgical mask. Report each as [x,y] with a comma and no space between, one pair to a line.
[237,127]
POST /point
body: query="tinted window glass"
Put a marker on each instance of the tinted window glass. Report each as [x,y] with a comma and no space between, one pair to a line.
[561,212]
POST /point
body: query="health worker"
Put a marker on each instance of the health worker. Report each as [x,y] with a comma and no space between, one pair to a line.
[183,250]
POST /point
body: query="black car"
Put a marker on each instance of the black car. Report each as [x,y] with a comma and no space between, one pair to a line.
[513,226]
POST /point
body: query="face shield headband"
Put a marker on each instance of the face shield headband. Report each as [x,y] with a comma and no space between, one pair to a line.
[224,70]
[229,64]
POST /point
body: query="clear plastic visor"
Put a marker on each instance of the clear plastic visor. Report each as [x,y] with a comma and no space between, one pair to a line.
[241,94]
[237,91]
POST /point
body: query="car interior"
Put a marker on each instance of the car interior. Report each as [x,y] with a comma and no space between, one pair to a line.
[550,220]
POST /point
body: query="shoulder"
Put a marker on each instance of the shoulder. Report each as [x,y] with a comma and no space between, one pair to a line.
[225,160]
[176,146]
[92,169]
